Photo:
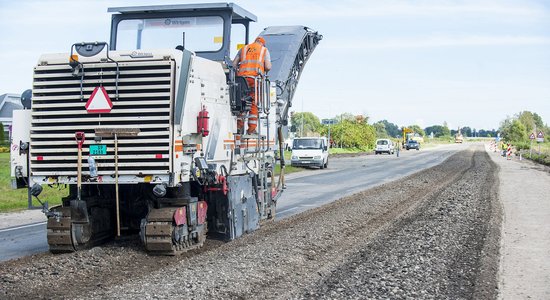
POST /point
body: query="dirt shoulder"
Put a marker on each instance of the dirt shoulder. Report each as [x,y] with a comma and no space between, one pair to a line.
[525,197]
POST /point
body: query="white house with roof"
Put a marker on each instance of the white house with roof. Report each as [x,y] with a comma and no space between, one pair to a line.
[8,103]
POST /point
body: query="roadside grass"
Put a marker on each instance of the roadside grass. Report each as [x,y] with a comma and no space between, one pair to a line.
[345,150]
[430,143]
[288,168]
[542,157]
[11,200]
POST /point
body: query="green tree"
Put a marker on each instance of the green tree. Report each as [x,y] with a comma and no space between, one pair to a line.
[520,126]
[466,131]
[437,130]
[346,117]
[445,131]
[417,129]
[380,130]
[391,128]
[306,123]
[528,120]
[514,130]
[352,134]
[531,121]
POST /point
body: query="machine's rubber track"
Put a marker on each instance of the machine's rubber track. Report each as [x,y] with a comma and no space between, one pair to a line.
[59,232]
[64,235]
[159,234]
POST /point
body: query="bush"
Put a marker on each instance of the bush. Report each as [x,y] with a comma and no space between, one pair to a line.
[522,145]
[4,149]
[351,134]
[542,158]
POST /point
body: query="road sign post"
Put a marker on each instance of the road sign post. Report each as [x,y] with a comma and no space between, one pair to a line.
[328,122]
[531,137]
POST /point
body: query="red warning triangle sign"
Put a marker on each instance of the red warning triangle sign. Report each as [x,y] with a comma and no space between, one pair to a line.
[99,102]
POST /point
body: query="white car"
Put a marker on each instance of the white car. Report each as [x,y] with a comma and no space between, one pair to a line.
[384,146]
[310,152]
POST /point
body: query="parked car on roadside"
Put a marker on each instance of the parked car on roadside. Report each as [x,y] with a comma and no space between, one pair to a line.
[384,146]
[310,152]
[412,144]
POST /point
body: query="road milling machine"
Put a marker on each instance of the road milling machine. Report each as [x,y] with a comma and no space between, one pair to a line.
[143,129]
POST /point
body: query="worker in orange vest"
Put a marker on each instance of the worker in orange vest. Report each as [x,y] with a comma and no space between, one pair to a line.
[251,61]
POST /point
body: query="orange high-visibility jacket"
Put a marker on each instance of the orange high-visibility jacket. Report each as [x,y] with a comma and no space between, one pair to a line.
[252,60]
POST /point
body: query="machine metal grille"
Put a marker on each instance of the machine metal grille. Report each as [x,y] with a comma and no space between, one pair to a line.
[145,91]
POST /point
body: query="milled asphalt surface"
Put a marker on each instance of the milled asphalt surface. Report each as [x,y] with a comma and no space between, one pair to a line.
[525,238]
[525,247]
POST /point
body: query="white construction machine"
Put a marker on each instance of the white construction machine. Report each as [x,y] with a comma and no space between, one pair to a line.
[143,129]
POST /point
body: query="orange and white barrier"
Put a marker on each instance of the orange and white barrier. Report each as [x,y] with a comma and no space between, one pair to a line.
[509,152]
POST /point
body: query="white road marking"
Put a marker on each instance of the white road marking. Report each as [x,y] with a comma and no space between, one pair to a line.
[288,209]
[22,226]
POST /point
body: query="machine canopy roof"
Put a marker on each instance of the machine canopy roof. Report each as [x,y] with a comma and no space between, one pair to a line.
[239,13]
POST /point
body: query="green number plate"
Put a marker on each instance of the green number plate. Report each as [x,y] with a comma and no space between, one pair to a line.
[98,149]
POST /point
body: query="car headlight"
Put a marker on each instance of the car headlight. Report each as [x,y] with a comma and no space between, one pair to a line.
[294,157]
[317,157]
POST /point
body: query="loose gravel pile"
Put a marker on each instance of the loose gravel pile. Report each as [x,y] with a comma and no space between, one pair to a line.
[433,234]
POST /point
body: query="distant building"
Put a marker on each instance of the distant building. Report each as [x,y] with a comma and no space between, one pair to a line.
[8,103]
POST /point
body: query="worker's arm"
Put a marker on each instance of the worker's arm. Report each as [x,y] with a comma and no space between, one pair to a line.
[267,61]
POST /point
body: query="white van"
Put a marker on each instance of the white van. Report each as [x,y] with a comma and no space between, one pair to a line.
[310,152]
[384,146]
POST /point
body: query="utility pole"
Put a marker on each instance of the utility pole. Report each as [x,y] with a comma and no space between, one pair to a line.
[302,130]
[330,122]
[531,146]
[341,134]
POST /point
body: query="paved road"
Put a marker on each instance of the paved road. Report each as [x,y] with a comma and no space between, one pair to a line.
[23,240]
[305,190]
[347,176]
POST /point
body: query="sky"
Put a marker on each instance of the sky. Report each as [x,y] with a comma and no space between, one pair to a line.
[467,63]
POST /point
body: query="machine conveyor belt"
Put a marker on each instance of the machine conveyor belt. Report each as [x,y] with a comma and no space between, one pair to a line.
[290,47]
